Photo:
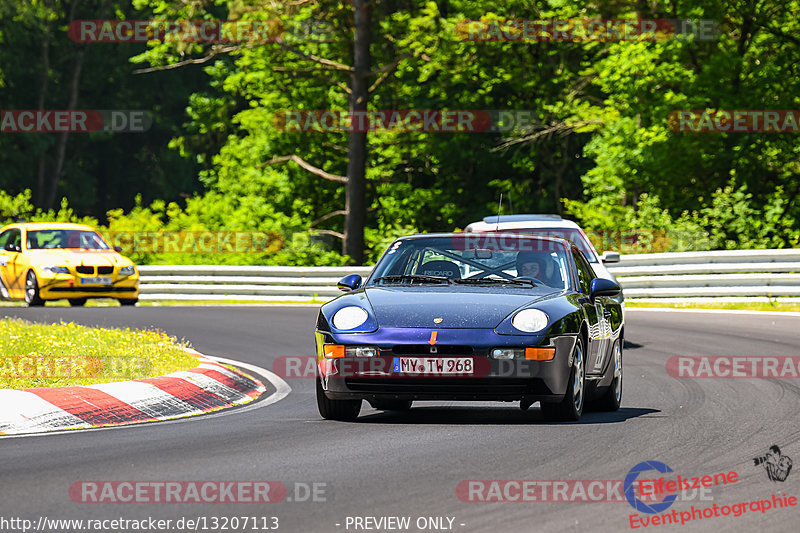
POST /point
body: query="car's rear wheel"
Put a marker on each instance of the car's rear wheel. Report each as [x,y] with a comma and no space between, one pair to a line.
[391,405]
[32,290]
[571,407]
[344,410]
[612,397]
[77,302]
[128,301]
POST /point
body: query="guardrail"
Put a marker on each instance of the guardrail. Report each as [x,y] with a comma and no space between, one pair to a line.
[726,273]
[729,273]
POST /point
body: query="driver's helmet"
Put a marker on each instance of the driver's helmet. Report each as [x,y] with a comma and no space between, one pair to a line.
[530,257]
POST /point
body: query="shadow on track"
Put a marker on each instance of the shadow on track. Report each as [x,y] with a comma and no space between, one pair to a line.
[470,416]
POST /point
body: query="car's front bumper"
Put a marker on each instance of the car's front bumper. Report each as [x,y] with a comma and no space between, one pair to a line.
[375,378]
[57,286]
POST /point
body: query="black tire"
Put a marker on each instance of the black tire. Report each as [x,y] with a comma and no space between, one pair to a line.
[343,410]
[611,398]
[32,290]
[77,302]
[391,405]
[571,407]
[128,301]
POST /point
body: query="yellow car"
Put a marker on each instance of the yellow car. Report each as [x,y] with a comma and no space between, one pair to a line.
[52,261]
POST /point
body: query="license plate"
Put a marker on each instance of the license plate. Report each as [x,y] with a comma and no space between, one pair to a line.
[434,366]
[96,281]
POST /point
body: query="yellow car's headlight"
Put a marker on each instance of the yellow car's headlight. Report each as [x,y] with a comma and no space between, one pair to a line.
[53,269]
[127,271]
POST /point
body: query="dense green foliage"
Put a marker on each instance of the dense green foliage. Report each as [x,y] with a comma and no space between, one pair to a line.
[601,150]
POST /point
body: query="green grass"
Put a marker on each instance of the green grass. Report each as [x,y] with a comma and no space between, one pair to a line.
[736,306]
[57,355]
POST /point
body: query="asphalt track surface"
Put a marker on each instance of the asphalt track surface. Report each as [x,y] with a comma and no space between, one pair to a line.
[410,464]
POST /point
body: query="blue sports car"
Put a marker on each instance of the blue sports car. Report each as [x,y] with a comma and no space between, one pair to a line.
[461,316]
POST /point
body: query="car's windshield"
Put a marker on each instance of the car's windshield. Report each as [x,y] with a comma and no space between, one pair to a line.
[65,238]
[497,260]
[572,235]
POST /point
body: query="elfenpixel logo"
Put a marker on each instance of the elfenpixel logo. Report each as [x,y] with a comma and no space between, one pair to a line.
[630,483]
[777,466]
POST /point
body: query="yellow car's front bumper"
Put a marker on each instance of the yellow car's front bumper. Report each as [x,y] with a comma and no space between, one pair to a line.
[57,286]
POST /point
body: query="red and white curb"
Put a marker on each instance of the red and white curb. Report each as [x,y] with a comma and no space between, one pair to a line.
[206,388]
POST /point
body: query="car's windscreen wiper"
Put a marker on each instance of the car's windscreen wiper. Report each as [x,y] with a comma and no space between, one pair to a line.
[487,281]
[411,278]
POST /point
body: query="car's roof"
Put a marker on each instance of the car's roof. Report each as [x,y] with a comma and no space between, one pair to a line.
[479,234]
[47,226]
[520,218]
[483,226]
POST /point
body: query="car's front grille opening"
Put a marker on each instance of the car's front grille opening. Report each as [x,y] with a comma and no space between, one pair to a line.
[425,349]
[85,269]
[105,270]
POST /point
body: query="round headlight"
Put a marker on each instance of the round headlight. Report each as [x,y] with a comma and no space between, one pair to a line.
[349,317]
[530,320]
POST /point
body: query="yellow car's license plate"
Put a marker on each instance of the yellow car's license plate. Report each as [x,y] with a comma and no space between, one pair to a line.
[96,281]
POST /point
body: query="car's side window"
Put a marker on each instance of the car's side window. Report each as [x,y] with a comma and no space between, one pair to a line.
[585,272]
[13,236]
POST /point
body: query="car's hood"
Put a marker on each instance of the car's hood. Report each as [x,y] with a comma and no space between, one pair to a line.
[468,307]
[77,257]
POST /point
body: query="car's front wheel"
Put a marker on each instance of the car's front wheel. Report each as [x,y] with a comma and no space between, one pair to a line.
[344,410]
[77,302]
[128,301]
[571,407]
[32,290]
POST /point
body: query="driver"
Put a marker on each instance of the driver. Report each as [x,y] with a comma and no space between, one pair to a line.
[530,265]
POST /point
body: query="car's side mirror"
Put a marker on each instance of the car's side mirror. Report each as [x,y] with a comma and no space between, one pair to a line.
[603,287]
[349,283]
[11,247]
[610,257]
[118,249]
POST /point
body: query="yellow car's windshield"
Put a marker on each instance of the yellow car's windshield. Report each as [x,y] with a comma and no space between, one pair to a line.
[65,239]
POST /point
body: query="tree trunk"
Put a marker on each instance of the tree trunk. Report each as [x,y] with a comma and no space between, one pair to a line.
[356,187]
[40,194]
[61,144]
